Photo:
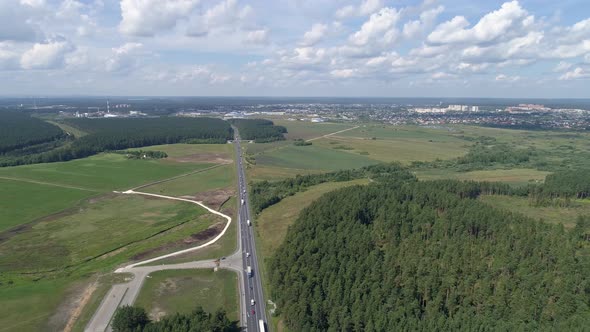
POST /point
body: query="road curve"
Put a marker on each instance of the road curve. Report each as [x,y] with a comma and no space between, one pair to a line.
[125,294]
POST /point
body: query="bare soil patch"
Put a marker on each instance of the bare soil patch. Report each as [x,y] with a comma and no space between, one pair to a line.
[215,198]
[190,241]
[215,158]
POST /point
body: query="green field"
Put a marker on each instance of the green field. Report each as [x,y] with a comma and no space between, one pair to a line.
[167,292]
[554,215]
[78,228]
[307,129]
[397,143]
[104,172]
[515,176]
[92,229]
[223,247]
[207,180]
[313,157]
[194,152]
[23,202]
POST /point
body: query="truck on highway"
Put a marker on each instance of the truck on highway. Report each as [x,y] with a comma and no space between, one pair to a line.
[248,222]
[249,271]
[261,326]
[242,201]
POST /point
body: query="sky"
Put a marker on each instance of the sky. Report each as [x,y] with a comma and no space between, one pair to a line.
[363,48]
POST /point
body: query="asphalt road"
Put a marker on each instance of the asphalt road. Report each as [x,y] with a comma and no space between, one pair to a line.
[252,283]
[244,257]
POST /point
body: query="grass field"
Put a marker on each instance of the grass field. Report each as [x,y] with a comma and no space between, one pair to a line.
[307,129]
[80,224]
[211,179]
[224,247]
[166,292]
[104,172]
[313,157]
[272,224]
[516,176]
[23,202]
[194,152]
[554,215]
[397,143]
[92,229]
[29,307]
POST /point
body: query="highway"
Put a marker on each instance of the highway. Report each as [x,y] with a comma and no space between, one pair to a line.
[252,283]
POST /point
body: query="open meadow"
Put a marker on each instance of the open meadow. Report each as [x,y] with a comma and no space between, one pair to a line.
[61,227]
[566,216]
[168,292]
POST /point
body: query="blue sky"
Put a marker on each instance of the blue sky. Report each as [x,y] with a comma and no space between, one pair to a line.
[392,48]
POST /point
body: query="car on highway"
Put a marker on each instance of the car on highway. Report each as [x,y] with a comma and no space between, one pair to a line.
[247,254]
[252,302]
[253,312]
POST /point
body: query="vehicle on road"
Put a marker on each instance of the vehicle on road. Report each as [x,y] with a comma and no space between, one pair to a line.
[247,254]
[261,326]
[248,222]
[249,270]
[252,302]
[253,312]
[242,201]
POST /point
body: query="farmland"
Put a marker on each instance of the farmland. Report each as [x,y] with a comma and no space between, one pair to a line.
[77,227]
[312,157]
[168,292]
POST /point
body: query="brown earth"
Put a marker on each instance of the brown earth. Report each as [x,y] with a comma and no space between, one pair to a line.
[214,198]
[190,241]
[77,311]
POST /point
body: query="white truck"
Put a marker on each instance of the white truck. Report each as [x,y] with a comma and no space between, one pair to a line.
[249,271]
[248,222]
[242,201]
[261,326]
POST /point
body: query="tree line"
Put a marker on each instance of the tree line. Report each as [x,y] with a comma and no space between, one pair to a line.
[259,130]
[135,319]
[115,134]
[20,131]
[399,254]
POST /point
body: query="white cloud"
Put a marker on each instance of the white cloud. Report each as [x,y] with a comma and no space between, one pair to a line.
[225,16]
[257,36]
[380,25]
[48,55]
[314,35]
[576,74]
[511,19]
[562,66]
[123,58]
[506,78]
[343,73]
[365,8]
[9,59]
[16,23]
[148,17]
[415,28]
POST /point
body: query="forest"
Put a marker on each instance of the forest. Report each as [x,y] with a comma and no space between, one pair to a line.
[116,134]
[259,130]
[403,255]
[135,319]
[265,193]
[19,131]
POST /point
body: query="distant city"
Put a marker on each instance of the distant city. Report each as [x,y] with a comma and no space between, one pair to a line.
[501,112]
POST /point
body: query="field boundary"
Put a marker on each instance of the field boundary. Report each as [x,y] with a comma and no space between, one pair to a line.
[180,176]
[48,184]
